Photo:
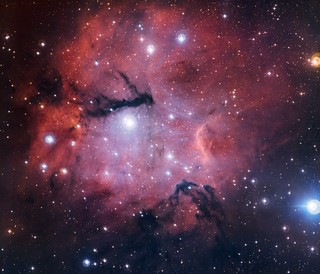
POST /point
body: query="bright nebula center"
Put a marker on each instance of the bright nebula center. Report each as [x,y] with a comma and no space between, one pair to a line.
[129,122]
[313,206]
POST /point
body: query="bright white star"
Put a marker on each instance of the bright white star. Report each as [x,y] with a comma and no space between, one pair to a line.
[313,206]
[181,38]
[43,166]
[49,139]
[151,49]
[129,122]
[86,262]
[265,201]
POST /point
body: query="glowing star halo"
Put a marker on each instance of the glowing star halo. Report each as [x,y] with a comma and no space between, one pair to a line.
[181,38]
[315,60]
[150,49]
[49,139]
[86,262]
[129,122]
[313,206]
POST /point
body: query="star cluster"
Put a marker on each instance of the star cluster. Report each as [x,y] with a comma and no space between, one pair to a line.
[160,137]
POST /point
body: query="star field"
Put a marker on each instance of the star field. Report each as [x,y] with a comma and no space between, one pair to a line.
[159,137]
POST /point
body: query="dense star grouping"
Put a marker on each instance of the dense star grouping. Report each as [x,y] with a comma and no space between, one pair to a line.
[159,137]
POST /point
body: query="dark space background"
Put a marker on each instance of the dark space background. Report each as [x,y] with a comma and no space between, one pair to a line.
[159,136]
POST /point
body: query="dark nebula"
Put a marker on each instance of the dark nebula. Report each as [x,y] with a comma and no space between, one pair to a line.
[103,105]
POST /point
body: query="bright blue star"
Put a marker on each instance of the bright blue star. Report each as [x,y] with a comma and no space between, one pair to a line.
[313,206]
[86,262]
[49,139]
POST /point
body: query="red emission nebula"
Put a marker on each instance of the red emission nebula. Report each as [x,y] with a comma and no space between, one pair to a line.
[143,97]
[159,136]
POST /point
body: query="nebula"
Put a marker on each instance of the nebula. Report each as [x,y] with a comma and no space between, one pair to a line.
[144,121]
[193,102]
[202,109]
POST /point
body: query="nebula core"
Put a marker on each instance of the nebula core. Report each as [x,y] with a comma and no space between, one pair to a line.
[160,137]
